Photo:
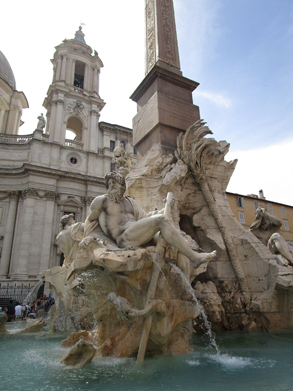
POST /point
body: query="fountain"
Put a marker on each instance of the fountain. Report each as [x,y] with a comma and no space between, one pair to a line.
[127,313]
[136,283]
[130,287]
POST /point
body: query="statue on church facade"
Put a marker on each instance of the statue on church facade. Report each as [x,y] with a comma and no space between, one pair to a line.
[41,122]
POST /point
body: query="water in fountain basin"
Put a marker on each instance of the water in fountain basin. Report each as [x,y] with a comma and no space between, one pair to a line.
[258,361]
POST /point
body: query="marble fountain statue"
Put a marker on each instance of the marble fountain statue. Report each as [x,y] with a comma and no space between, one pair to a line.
[135,270]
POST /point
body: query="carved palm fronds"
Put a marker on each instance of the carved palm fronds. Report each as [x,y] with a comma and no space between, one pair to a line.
[198,153]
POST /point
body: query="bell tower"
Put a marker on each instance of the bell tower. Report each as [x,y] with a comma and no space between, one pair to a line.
[73,101]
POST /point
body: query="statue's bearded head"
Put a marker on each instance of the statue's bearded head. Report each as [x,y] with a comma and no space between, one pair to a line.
[116,186]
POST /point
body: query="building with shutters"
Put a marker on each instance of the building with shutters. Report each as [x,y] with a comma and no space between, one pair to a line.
[245,206]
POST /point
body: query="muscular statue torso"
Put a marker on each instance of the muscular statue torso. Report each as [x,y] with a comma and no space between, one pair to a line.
[114,218]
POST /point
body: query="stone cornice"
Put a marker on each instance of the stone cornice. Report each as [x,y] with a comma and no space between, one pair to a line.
[114,128]
[158,72]
[28,168]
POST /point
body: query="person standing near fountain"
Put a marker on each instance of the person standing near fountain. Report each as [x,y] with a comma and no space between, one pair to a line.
[10,311]
[124,222]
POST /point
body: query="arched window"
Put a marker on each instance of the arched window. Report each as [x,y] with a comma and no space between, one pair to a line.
[74,129]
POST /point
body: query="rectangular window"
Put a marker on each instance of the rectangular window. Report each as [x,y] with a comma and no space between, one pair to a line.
[241,217]
[79,74]
[286,225]
[271,208]
[134,151]
[112,145]
[112,167]
[255,205]
[283,211]
[240,202]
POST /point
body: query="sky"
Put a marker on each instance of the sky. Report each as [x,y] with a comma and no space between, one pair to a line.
[239,51]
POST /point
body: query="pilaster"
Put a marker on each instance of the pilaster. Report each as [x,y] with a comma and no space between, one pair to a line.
[50,196]
[58,71]
[25,242]
[87,202]
[92,139]
[72,71]
[95,83]
[63,67]
[8,235]
[86,77]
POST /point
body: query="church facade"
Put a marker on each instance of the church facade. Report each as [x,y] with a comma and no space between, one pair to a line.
[45,175]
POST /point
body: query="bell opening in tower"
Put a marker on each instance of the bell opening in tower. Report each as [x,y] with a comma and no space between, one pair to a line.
[74,129]
[79,74]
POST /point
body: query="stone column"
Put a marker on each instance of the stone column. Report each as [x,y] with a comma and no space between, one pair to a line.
[54,73]
[72,72]
[68,70]
[59,122]
[2,112]
[26,238]
[87,201]
[51,123]
[58,70]
[48,229]
[63,68]
[78,215]
[92,78]
[92,138]
[8,235]
[86,77]
[13,119]
[95,83]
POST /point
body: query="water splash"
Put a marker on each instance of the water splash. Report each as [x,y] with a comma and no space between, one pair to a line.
[32,295]
[231,361]
[204,324]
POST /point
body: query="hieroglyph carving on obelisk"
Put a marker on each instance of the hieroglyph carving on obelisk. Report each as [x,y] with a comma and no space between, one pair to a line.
[161,37]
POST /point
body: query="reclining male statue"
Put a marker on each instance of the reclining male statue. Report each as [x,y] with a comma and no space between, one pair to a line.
[126,224]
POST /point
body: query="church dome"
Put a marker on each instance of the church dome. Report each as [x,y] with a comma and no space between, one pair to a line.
[6,71]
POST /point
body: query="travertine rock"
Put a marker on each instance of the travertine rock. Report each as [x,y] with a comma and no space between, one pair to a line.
[212,303]
[81,354]
[32,325]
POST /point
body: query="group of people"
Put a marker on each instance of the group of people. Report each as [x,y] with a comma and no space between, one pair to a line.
[40,307]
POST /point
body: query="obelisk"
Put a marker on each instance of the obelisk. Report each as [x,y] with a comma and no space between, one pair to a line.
[164,97]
